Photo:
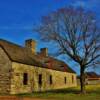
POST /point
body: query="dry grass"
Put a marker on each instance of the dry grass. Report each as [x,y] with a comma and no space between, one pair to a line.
[93,93]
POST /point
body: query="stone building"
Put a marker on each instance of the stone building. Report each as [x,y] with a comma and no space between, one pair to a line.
[92,78]
[22,70]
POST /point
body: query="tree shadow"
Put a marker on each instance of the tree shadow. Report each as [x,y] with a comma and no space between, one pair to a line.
[62,91]
[94,91]
[70,90]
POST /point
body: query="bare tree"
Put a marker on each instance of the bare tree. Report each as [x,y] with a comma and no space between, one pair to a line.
[77,34]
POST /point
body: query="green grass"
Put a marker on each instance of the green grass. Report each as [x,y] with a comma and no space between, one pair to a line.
[93,93]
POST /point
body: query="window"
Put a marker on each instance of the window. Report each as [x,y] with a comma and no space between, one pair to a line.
[25,78]
[40,79]
[65,80]
[50,79]
[72,79]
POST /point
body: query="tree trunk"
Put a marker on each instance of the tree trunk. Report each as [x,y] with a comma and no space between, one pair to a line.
[82,80]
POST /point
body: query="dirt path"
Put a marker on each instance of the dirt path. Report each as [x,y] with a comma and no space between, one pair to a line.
[17,98]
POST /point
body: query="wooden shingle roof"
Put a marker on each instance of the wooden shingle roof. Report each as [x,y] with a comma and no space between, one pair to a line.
[23,55]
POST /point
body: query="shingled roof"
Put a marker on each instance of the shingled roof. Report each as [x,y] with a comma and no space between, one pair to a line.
[23,55]
[92,75]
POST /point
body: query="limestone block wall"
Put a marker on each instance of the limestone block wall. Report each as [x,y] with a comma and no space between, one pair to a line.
[17,85]
[33,73]
[93,82]
[5,72]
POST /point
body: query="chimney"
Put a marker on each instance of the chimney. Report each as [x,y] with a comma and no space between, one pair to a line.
[31,44]
[44,51]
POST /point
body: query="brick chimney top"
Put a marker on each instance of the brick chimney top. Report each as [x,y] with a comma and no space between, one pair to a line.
[44,51]
[31,44]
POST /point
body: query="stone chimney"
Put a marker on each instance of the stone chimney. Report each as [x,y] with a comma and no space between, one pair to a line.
[44,51]
[31,44]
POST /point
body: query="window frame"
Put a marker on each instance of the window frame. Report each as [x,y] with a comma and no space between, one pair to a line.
[50,80]
[72,78]
[40,79]
[25,79]
[65,80]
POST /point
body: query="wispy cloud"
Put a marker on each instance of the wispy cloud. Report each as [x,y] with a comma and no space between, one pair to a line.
[16,27]
[90,4]
[93,5]
[79,3]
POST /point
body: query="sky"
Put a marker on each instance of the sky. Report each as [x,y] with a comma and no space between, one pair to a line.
[18,17]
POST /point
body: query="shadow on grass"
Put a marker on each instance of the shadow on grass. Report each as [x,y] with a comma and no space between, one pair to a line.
[94,91]
[74,91]
[52,92]
[64,91]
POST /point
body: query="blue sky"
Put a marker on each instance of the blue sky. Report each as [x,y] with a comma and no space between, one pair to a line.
[18,17]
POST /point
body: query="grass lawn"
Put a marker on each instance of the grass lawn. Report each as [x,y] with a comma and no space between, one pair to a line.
[93,93]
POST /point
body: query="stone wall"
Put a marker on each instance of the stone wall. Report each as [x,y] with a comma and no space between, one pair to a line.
[93,82]
[33,82]
[5,68]
[90,82]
